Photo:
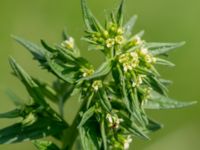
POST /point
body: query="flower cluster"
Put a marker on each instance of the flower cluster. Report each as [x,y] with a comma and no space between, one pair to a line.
[113,121]
[69,43]
[96,85]
[109,37]
[129,61]
[114,96]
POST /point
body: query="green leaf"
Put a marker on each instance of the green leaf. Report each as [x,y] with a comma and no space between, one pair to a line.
[37,52]
[120,13]
[89,135]
[90,21]
[166,82]
[11,114]
[162,48]
[65,35]
[125,98]
[47,47]
[61,71]
[158,101]
[45,145]
[64,90]
[15,99]
[66,54]
[157,85]
[132,127]
[19,132]
[128,27]
[153,126]
[30,85]
[104,100]
[103,134]
[164,62]
[87,115]
[47,90]
[103,70]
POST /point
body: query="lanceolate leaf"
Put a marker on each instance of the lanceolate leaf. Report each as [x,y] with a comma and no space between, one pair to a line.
[103,98]
[129,25]
[47,90]
[90,21]
[89,135]
[11,114]
[37,52]
[103,133]
[15,99]
[133,127]
[47,47]
[153,126]
[120,13]
[30,85]
[19,132]
[158,101]
[103,70]
[164,62]
[87,115]
[60,71]
[162,48]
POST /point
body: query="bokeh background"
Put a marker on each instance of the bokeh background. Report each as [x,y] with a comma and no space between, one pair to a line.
[163,20]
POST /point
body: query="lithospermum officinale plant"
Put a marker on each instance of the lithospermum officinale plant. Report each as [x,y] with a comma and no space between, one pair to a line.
[113,97]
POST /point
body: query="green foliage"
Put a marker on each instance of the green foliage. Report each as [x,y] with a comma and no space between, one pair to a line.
[114,96]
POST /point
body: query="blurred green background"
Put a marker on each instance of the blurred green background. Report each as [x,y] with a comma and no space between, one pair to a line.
[163,20]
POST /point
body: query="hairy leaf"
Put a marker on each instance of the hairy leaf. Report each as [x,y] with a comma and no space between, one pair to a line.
[19,132]
[30,85]
[129,25]
[90,21]
[37,52]
[120,13]
[162,48]
[11,114]
[87,115]
[158,101]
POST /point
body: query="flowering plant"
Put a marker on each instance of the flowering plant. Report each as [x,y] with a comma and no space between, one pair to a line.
[113,97]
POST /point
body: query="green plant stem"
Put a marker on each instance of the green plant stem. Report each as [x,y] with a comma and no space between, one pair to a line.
[71,133]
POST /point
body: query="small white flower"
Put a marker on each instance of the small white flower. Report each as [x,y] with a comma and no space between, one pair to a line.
[134,84]
[129,61]
[127,66]
[87,72]
[134,55]
[114,121]
[138,81]
[150,59]
[97,84]
[110,42]
[68,43]
[119,39]
[137,40]
[109,118]
[144,51]
[120,31]
[30,119]
[127,142]
[123,58]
